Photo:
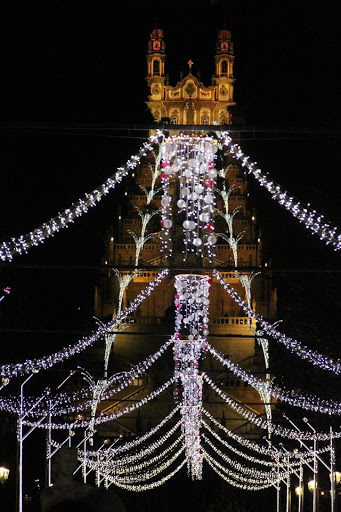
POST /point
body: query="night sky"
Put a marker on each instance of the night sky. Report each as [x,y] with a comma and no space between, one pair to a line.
[71,69]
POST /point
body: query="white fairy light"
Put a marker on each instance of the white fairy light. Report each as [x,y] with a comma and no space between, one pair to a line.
[191,306]
[268,389]
[259,421]
[23,243]
[147,487]
[148,475]
[237,480]
[252,471]
[103,418]
[294,346]
[11,404]
[312,220]
[37,365]
[129,445]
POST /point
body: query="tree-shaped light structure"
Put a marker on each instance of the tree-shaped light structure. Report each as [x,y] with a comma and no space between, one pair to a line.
[141,239]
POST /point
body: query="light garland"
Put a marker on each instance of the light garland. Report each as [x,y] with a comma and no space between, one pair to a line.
[261,423]
[129,445]
[148,475]
[23,243]
[126,466]
[37,365]
[220,470]
[147,487]
[267,389]
[313,221]
[294,346]
[252,445]
[240,453]
[11,404]
[255,473]
[102,418]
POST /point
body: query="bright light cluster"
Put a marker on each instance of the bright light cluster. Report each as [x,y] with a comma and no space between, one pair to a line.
[313,221]
[131,471]
[191,303]
[191,306]
[191,160]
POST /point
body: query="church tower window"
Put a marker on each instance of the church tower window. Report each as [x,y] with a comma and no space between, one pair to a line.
[156,67]
[224,67]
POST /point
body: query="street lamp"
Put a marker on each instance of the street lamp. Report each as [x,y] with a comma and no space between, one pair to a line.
[312,484]
[4,474]
[337,477]
[299,491]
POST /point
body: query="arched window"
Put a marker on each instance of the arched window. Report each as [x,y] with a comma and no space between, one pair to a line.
[156,67]
[205,118]
[224,67]
[174,117]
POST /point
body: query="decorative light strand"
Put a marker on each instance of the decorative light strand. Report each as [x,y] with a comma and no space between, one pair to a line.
[219,470]
[11,404]
[37,365]
[102,418]
[126,465]
[141,439]
[148,475]
[261,423]
[268,389]
[312,220]
[251,445]
[147,487]
[241,467]
[23,243]
[294,346]
[233,449]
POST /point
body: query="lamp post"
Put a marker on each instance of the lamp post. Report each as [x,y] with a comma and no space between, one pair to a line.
[313,486]
[330,468]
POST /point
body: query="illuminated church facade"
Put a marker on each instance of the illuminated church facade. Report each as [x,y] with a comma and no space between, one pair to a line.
[231,331]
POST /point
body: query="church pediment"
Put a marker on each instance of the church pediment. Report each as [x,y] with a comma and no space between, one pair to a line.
[190,87]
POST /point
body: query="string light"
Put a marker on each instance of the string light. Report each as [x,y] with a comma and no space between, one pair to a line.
[294,346]
[103,418]
[261,423]
[312,220]
[23,243]
[37,365]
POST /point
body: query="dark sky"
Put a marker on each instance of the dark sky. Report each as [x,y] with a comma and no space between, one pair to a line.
[66,63]
[73,67]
